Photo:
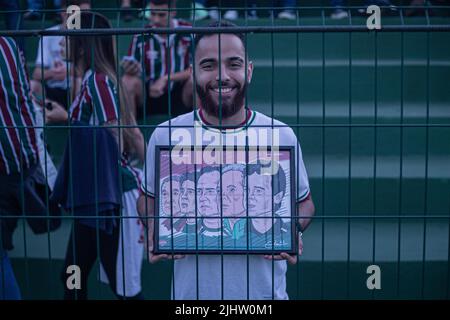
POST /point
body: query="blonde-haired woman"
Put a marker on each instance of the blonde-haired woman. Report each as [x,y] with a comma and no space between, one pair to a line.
[92,180]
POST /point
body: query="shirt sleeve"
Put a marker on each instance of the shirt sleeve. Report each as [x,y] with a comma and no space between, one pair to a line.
[148,183]
[301,175]
[43,55]
[188,54]
[104,98]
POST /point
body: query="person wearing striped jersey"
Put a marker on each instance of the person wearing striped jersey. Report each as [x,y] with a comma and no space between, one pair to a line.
[19,154]
[162,62]
[223,117]
[100,104]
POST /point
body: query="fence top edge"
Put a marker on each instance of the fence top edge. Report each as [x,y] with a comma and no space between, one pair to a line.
[259,8]
[225,30]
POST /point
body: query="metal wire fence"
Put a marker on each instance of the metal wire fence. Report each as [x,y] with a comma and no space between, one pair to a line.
[371,110]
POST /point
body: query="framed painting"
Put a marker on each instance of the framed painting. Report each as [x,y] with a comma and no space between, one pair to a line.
[232,200]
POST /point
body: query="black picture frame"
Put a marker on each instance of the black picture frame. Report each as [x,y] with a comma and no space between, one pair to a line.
[174,249]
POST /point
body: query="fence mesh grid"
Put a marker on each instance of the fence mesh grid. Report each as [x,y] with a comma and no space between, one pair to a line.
[370,109]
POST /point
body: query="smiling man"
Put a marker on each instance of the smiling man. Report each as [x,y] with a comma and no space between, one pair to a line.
[221,78]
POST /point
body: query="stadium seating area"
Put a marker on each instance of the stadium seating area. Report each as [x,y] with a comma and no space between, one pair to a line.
[332,88]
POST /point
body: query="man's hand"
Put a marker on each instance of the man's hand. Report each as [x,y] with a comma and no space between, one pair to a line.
[131,67]
[157,88]
[305,210]
[57,114]
[154,258]
[292,259]
[145,207]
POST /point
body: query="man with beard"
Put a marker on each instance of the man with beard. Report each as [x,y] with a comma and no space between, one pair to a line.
[221,80]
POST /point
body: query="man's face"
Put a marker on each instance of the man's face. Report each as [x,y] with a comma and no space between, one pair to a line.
[207,194]
[233,194]
[187,200]
[221,83]
[159,15]
[166,196]
[260,194]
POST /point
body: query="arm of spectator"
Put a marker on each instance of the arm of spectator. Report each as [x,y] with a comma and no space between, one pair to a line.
[131,67]
[59,73]
[138,143]
[42,74]
[180,76]
[158,87]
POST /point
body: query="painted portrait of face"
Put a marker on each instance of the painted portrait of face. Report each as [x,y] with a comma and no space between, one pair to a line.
[261,195]
[207,193]
[169,206]
[187,198]
[233,195]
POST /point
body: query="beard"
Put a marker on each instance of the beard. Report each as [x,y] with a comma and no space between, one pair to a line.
[229,107]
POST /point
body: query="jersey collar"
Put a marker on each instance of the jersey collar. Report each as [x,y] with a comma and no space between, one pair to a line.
[229,129]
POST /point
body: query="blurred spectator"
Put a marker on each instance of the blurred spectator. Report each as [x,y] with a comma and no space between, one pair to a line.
[22,183]
[209,8]
[340,13]
[153,59]
[287,12]
[282,9]
[201,12]
[419,7]
[11,18]
[127,12]
[231,13]
[50,72]
[12,21]
[34,6]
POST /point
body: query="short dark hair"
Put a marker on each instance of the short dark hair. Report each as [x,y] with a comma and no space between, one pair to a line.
[207,169]
[279,179]
[218,24]
[187,176]
[168,3]
[174,177]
